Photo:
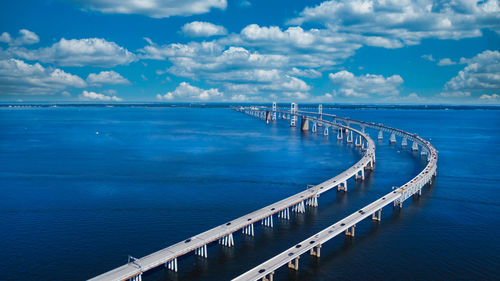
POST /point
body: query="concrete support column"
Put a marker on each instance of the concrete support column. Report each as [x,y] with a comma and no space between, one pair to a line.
[348,136]
[316,251]
[360,175]
[340,134]
[248,230]
[274,111]
[380,135]
[377,217]
[342,186]
[293,113]
[314,127]
[171,265]
[414,147]
[268,277]
[393,138]
[325,132]
[313,201]
[268,117]
[350,232]
[320,112]
[304,124]
[294,264]
[398,204]
[404,142]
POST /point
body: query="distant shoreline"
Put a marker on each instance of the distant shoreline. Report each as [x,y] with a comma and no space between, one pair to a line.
[225,105]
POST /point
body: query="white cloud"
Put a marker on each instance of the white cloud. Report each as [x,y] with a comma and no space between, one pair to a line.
[155,8]
[203,29]
[365,86]
[492,97]
[308,73]
[428,57]
[239,98]
[186,92]
[80,52]
[407,21]
[445,62]
[5,37]
[455,94]
[107,77]
[236,68]
[26,37]
[92,96]
[18,77]
[481,73]
[291,96]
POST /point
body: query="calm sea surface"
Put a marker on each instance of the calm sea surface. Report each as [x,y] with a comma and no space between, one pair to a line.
[81,188]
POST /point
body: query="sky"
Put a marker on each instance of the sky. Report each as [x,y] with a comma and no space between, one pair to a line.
[244,51]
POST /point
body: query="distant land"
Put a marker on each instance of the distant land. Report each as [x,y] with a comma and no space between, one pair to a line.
[222,105]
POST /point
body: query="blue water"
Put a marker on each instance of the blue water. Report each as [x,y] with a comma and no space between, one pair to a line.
[83,187]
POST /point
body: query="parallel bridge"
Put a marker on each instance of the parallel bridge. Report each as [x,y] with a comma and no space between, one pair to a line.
[223,234]
[265,271]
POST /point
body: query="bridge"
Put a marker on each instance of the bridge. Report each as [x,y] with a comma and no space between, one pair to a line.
[291,256]
[223,234]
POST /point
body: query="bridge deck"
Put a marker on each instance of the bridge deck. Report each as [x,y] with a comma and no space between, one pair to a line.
[321,237]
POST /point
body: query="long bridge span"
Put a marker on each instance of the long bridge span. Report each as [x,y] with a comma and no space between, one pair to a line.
[291,256]
[223,234]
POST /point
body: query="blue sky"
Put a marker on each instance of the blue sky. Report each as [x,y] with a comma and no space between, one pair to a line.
[362,51]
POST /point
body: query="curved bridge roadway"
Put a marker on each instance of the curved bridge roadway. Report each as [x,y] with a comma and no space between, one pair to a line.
[265,271]
[134,269]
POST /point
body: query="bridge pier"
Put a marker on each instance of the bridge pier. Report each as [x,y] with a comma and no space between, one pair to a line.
[136,278]
[404,142]
[348,136]
[299,208]
[316,251]
[314,127]
[171,265]
[248,230]
[227,240]
[418,192]
[201,251]
[294,264]
[293,113]
[320,112]
[284,214]
[361,175]
[325,132]
[342,186]
[351,232]
[268,277]
[377,217]
[304,124]
[274,111]
[340,134]
[369,166]
[393,138]
[313,201]
[268,117]
[358,141]
[380,135]
[414,146]
[398,204]
[268,221]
